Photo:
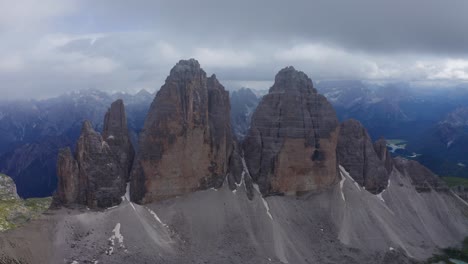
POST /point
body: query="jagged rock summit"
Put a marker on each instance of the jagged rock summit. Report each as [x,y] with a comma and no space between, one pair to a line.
[356,153]
[186,140]
[291,144]
[96,175]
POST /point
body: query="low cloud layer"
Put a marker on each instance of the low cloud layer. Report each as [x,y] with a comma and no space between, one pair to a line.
[52,46]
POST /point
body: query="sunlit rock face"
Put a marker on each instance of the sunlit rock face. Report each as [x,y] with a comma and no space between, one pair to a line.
[291,144]
[186,141]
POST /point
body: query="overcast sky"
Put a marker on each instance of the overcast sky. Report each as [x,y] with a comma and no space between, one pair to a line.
[49,47]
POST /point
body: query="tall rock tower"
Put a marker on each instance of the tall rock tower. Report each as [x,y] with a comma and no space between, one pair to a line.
[291,145]
[186,140]
[97,174]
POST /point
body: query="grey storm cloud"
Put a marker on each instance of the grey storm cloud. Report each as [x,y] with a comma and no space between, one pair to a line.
[53,46]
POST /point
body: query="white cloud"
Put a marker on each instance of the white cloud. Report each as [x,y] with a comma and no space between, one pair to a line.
[21,15]
[11,63]
[452,69]
[222,57]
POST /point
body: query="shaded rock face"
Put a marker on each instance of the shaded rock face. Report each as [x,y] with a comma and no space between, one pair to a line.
[186,140]
[356,154]
[421,177]
[97,174]
[116,135]
[291,144]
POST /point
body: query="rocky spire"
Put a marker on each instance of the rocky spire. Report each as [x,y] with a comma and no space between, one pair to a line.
[186,140]
[97,174]
[291,145]
[380,147]
[116,134]
[68,177]
[356,154]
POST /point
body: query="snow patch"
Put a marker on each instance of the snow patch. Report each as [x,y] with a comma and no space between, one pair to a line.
[267,208]
[459,198]
[127,192]
[265,203]
[380,196]
[343,178]
[242,181]
[116,237]
[343,171]
[156,217]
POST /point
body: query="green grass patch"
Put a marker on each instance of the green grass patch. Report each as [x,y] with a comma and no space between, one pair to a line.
[14,213]
[456,181]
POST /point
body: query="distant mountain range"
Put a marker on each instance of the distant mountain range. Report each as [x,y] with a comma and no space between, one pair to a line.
[32,132]
[431,123]
[300,187]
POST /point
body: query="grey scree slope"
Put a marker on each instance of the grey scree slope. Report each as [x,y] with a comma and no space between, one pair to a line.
[345,224]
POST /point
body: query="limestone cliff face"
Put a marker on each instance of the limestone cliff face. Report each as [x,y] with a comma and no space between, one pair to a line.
[186,140]
[96,175]
[291,144]
[116,135]
[357,155]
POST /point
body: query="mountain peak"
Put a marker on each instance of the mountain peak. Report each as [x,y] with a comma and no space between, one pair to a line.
[291,80]
[186,69]
[87,127]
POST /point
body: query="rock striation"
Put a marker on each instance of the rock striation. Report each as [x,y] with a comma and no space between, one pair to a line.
[97,174]
[291,144]
[186,140]
[356,153]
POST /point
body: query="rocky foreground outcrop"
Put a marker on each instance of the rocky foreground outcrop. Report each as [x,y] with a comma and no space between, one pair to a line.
[186,140]
[15,211]
[7,188]
[97,174]
[356,153]
[291,145]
